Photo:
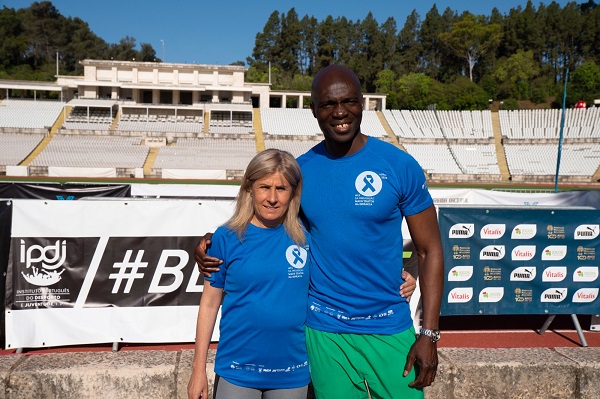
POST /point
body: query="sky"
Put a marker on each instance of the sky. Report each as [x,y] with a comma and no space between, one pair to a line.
[223,31]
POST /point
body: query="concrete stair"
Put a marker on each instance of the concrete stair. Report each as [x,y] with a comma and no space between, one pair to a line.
[60,120]
[500,154]
[463,373]
[389,131]
[258,132]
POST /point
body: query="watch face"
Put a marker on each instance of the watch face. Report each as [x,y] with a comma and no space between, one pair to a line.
[433,334]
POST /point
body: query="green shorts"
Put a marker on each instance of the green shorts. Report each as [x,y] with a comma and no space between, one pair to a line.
[355,366]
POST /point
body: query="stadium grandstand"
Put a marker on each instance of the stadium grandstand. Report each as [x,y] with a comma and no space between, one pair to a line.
[162,120]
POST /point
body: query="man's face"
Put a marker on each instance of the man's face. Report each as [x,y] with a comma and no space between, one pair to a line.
[337,104]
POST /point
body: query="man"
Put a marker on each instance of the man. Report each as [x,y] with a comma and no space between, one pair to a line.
[357,189]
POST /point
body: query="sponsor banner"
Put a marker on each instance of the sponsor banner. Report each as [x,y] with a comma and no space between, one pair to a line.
[5,223]
[62,191]
[105,271]
[503,260]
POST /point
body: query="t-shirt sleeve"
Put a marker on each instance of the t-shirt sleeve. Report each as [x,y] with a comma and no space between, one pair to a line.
[218,250]
[415,193]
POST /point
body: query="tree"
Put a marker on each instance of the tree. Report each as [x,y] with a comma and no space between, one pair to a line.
[463,94]
[409,46]
[469,38]
[267,45]
[515,74]
[584,83]
[308,45]
[418,91]
[13,43]
[290,43]
[124,50]
[147,53]
[386,83]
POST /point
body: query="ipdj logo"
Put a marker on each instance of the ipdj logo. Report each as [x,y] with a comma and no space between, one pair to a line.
[368,184]
[42,262]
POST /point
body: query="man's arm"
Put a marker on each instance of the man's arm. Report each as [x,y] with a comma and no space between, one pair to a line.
[425,234]
[206,264]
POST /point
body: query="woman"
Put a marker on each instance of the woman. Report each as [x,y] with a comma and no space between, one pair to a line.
[262,352]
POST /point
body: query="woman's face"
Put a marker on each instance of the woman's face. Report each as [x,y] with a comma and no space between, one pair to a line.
[270,199]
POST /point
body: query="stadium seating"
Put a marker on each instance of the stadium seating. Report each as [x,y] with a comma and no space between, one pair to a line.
[446,143]
[14,147]
[289,122]
[541,159]
[29,114]
[93,151]
[206,153]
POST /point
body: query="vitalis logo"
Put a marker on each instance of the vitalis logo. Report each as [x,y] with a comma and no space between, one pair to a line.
[526,273]
[460,295]
[585,295]
[554,295]
[492,231]
[586,232]
[43,263]
[523,252]
[554,273]
[462,230]
[492,252]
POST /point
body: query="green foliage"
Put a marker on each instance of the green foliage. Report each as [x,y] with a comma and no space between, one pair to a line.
[510,104]
[520,55]
[32,38]
[584,83]
[462,94]
[418,91]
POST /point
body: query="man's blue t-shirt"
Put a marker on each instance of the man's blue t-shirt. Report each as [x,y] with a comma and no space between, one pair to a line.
[265,278]
[353,208]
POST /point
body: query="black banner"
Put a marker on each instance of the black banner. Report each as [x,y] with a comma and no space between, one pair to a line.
[62,191]
[58,272]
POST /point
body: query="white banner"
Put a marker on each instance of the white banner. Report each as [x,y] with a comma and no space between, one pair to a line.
[103,271]
[194,174]
[67,171]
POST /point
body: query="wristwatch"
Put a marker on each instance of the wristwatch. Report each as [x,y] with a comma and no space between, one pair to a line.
[433,334]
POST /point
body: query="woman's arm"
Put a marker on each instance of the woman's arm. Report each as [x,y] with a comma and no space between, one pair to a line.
[207,316]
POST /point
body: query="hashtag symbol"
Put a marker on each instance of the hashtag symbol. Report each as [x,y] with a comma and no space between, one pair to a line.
[126,275]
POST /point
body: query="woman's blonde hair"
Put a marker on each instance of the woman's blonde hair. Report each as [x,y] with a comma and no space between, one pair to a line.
[262,165]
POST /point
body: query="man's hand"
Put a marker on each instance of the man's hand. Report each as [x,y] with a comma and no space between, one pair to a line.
[424,354]
[408,287]
[206,264]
